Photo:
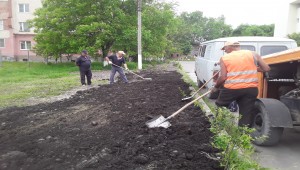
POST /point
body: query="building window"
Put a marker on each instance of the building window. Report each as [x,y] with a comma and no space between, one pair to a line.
[23,7]
[1,25]
[25,45]
[2,43]
[24,27]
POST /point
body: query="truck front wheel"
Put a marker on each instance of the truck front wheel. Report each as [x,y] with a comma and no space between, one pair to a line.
[199,83]
[265,134]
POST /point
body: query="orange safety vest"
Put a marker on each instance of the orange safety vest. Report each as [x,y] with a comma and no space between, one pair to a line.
[241,70]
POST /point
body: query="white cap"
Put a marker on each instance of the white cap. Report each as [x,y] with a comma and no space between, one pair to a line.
[121,52]
[230,43]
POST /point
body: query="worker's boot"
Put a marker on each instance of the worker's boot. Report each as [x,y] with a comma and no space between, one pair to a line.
[233,106]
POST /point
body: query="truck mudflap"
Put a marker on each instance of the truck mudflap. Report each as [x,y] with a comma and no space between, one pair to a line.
[278,114]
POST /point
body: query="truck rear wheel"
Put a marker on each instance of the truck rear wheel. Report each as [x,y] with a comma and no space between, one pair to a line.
[264,134]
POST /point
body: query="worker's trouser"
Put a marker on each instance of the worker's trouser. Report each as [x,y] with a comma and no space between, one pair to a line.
[88,74]
[245,98]
[121,73]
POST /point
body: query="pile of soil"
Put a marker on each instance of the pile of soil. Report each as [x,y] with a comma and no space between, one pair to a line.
[104,128]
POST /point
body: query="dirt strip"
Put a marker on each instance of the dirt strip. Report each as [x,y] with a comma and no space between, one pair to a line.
[104,128]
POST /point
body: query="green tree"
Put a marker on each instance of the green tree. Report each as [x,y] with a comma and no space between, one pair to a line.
[268,29]
[157,19]
[239,30]
[194,26]
[296,37]
[216,28]
[254,30]
[68,26]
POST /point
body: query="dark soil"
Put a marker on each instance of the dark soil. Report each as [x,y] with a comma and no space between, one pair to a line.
[104,128]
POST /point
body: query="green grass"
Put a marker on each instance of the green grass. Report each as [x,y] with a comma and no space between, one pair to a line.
[21,81]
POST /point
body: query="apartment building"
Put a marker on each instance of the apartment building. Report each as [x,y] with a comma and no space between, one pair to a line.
[16,38]
[289,20]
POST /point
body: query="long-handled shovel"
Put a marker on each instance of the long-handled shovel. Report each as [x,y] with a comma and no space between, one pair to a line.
[161,121]
[133,73]
[188,98]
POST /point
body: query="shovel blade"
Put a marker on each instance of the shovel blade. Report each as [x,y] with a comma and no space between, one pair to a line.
[158,121]
[186,98]
[165,124]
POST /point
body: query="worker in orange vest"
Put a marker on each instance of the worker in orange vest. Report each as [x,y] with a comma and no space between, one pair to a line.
[238,80]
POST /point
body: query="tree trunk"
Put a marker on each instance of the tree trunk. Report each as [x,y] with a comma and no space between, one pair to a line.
[46,60]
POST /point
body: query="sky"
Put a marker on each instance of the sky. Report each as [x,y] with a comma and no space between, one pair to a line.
[236,12]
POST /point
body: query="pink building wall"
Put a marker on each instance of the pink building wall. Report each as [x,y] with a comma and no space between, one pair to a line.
[8,50]
[6,16]
[23,54]
[9,13]
[13,37]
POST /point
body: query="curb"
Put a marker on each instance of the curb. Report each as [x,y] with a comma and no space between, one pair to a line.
[204,107]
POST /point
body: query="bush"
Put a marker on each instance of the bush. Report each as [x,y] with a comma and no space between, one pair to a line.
[234,142]
[296,37]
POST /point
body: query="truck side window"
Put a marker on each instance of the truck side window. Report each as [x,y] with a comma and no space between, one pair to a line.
[248,47]
[207,51]
[199,51]
[265,50]
[203,51]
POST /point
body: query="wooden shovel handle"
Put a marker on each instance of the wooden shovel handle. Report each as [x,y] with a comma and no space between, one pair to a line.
[206,83]
[135,74]
[128,71]
[188,104]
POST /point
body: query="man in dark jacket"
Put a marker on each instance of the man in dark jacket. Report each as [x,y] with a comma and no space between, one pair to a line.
[84,64]
[117,61]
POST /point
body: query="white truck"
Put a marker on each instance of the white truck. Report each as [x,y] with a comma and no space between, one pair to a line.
[210,53]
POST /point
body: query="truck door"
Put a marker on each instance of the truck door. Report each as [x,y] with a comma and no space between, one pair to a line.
[208,63]
[200,62]
[203,62]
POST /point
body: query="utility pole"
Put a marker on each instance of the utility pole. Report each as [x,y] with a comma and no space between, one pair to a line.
[139,9]
[28,58]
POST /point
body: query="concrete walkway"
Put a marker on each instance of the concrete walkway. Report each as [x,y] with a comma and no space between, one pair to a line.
[284,156]
[189,68]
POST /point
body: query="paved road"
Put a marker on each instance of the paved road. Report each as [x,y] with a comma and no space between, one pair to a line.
[189,68]
[284,156]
